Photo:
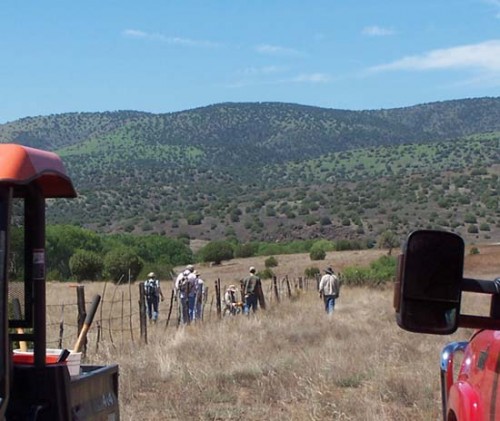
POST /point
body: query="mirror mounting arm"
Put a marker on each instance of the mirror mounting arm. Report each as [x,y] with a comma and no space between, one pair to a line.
[478,322]
[482,287]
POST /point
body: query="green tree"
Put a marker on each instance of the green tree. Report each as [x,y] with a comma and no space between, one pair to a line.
[86,265]
[388,240]
[246,250]
[194,218]
[62,241]
[216,251]
[119,262]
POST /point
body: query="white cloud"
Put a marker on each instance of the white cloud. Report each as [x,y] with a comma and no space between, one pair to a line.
[276,50]
[377,31]
[312,78]
[484,56]
[187,42]
[265,70]
[134,33]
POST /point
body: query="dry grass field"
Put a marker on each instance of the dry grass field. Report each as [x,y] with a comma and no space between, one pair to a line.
[290,362]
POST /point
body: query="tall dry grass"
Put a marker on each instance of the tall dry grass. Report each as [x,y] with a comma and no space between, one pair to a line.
[290,362]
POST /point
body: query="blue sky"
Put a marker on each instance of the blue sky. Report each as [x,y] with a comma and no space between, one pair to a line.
[172,55]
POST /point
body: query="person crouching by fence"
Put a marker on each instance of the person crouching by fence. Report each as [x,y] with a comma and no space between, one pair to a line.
[231,304]
[329,289]
[153,293]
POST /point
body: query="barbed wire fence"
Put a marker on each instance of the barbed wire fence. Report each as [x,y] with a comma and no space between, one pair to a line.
[121,317]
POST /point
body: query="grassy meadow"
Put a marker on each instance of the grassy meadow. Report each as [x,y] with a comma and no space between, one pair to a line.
[290,362]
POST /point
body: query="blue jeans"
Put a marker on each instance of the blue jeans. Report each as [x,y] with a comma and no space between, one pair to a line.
[183,310]
[152,308]
[329,303]
[250,303]
[192,307]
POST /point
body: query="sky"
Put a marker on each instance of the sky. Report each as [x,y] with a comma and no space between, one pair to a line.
[173,55]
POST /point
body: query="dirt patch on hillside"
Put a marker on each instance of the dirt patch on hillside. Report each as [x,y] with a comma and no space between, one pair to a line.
[485,265]
[292,265]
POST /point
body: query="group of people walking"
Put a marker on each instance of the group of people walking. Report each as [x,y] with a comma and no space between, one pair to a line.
[190,294]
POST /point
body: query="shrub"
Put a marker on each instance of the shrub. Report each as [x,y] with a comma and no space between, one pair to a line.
[325,221]
[271,262]
[311,272]
[324,245]
[194,219]
[470,219]
[346,222]
[484,227]
[472,229]
[216,251]
[378,273]
[474,250]
[86,265]
[317,254]
[119,262]
[246,250]
[267,273]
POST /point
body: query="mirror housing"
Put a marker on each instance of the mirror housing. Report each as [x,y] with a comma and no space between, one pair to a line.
[428,286]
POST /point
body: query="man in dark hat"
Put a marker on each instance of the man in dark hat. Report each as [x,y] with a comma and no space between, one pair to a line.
[252,290]
[329,288]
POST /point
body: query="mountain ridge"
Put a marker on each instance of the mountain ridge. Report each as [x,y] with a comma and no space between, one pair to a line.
[226,169]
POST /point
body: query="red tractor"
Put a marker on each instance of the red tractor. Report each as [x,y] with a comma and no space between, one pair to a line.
[39,389]
[427,299]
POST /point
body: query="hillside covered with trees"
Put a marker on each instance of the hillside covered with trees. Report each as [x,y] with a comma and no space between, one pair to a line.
[278,172]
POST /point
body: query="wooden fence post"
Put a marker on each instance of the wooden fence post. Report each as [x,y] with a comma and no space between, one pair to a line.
[142,313]
[61,328]
[130,310]
[82,312]
[275,287]
[288,287]
[122,315]
[217,298]
[170,308]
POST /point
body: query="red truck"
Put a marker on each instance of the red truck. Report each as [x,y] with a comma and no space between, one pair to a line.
[39,389]
[427,299]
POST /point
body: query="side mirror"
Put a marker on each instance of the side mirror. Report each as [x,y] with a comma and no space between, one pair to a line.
[428,287]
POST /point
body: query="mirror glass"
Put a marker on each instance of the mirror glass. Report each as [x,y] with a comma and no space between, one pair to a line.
[431,282]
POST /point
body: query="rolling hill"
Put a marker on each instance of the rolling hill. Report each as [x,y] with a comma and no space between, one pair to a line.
[276,172]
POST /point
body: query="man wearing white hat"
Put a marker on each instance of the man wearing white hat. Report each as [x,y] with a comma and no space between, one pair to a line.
[329,288]
[153,293]
[183,288]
